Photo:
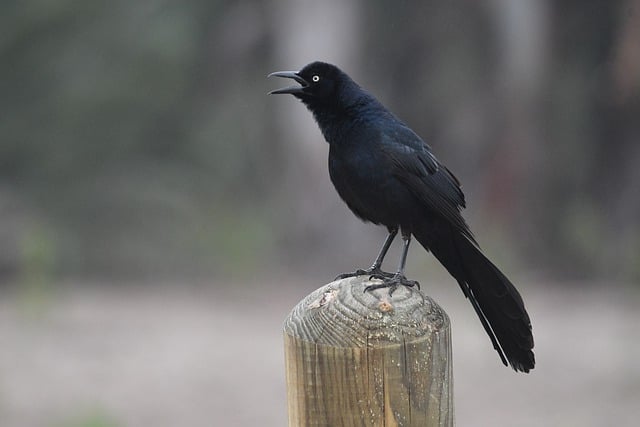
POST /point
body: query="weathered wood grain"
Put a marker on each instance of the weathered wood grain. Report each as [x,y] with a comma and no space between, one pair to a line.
[356,358]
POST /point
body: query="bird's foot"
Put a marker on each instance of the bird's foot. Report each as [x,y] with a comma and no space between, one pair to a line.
[392,282]
[372,272]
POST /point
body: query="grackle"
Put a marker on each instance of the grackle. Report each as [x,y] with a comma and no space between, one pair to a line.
[387,175]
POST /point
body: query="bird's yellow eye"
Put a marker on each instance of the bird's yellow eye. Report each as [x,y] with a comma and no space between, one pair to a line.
[315,78]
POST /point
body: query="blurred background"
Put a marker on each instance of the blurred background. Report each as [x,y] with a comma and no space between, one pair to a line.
[160,214]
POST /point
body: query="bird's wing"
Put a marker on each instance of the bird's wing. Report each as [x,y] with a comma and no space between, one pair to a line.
[415,165]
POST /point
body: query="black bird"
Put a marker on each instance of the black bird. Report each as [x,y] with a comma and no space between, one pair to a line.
[387,175]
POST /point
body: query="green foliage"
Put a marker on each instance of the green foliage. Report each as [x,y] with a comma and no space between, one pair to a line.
[94,418]
[136,137]
[38,259]
[117,131]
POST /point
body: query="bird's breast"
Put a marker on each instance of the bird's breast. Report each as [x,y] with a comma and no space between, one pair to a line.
[364,179]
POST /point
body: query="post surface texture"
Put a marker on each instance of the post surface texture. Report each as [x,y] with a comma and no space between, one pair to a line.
[356,358]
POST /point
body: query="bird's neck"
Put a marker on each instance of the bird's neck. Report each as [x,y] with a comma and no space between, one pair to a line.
[338,118]
[333,123]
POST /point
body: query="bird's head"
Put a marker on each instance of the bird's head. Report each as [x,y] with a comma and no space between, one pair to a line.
[330,95]
[318,82]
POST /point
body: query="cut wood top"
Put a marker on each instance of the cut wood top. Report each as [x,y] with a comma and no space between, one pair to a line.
[342,314]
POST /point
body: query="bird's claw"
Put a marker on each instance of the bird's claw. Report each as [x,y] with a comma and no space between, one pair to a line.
[380,275]
[373,273]
[358,272]
[392,283]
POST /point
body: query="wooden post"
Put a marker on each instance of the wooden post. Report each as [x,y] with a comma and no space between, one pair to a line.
[356,358]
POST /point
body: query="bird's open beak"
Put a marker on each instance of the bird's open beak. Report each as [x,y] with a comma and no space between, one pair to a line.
[291,89]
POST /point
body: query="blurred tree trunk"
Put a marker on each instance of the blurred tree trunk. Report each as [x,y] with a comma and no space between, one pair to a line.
[515,188]
[312,206]
[619,150]
[580,139]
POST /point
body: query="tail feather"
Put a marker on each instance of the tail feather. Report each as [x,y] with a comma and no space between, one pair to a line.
[494,298]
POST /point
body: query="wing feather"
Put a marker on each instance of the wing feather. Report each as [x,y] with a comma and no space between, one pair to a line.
[429,180]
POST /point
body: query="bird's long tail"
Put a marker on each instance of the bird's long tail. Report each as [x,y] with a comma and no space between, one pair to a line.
[494,298]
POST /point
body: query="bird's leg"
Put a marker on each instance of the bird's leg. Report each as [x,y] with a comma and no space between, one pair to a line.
[375,271]
[397,279]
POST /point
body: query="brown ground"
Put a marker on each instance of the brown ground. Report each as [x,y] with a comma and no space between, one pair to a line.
[197,356]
